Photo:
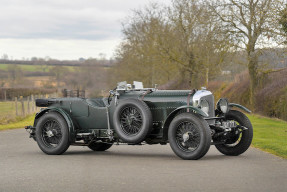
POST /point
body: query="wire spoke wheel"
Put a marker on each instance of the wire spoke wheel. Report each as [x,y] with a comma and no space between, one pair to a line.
[187,136]
[131,120]
[51,133]
[238,143]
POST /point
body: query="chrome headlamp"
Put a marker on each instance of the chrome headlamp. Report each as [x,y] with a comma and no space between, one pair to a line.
[204,106]
[222,105]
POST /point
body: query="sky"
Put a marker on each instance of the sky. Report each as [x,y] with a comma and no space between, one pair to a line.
[64,29]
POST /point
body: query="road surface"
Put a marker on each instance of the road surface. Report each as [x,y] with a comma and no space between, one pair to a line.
[24,167]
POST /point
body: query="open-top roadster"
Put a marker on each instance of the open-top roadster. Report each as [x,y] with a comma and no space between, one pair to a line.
[187,120]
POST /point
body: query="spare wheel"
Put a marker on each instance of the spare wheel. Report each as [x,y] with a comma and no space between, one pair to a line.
[132,120]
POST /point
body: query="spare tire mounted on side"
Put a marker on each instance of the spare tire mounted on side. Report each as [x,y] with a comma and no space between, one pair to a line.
[132,120]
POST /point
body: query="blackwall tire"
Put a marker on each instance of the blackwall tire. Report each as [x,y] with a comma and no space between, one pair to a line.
[197,144]
[52,134]
[99,146]
[132,120]
[245,139]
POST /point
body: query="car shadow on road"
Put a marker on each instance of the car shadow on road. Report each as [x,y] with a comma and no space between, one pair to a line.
[120,154]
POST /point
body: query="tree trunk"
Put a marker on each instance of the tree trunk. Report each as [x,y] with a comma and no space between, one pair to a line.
[253,72]
[206,77]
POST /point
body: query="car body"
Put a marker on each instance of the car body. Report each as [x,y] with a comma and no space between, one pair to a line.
[187,119]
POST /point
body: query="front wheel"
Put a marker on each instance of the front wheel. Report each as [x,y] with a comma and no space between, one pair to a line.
[189,136]
[52,134]
[240,143]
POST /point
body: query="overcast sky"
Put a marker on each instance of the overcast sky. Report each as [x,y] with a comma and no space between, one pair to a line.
[63,29]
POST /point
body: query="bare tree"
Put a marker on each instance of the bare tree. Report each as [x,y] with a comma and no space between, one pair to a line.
[182,41]
[283,20]
[252,24]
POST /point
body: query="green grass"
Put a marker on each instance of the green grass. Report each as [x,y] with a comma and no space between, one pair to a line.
[8,112]
[8,108]
[270,135]
[34,68]
[19,123]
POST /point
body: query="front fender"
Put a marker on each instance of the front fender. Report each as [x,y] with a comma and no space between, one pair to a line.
[66,117]
[239,106]
[173,114]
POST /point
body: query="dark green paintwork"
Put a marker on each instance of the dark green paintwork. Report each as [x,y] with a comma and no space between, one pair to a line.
[90,115]
[240,107]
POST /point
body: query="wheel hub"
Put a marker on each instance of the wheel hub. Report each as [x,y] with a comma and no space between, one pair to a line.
[130,119]
[185,136]
[50,133]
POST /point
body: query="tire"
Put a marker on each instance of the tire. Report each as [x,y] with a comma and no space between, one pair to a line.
[233,148]
[52,134]
[132,120]
[194,147]
[99,146]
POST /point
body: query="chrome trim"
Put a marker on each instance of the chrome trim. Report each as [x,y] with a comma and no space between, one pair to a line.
[198,95]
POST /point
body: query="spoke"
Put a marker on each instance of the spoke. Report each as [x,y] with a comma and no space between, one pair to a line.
[131,120]
[55,139]
[138,125]
[193,141]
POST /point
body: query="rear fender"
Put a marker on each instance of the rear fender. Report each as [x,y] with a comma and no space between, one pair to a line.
[66,117]
[172,115]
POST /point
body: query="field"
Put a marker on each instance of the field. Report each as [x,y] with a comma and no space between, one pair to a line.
[35,68]
[7,108]
[8,112]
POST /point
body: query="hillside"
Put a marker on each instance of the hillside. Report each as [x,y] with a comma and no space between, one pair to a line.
[270,97]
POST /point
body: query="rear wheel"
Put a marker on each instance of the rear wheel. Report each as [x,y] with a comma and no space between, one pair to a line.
[237,144]
[52,134]
[189,136]
[99,146]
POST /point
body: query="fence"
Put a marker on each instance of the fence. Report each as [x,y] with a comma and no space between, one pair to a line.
[73,93]
[10,108]
[20,106]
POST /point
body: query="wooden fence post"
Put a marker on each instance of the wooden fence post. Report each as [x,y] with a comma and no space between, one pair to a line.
[33,103]
[28,105]
[16,105]
[5,95]
[22,104]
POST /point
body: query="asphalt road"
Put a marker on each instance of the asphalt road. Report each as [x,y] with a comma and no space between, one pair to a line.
[23,167]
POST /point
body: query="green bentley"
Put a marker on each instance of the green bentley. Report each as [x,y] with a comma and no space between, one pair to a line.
[188,120]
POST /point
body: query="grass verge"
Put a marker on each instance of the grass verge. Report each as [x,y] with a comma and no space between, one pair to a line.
[19,123]
[270,135]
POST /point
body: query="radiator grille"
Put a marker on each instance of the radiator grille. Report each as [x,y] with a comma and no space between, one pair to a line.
[211,112]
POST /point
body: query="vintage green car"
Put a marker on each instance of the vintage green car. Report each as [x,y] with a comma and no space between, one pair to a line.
[133,115]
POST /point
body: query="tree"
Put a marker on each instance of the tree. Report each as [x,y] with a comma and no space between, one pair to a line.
[283,19]
[138,54]
[199,40]
[15,73]
[58,72]
[249,21]
[182,41]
